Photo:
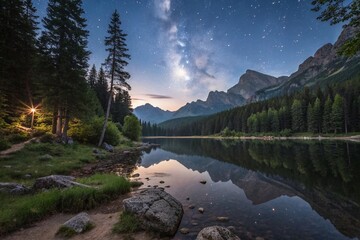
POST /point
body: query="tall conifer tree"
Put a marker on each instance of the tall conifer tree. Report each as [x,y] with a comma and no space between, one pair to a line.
[115,63]
[64,44]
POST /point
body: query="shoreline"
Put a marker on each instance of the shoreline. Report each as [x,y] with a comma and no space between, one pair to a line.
[353,138]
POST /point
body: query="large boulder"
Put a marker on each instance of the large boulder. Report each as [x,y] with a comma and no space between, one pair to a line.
[14,188]
[216,233]
[56,181]
[78,224]
[156,210]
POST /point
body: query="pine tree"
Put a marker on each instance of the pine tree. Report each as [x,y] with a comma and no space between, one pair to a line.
[337,114]
[18,51]
[102,89]
[115,62]
[311,119]
[121,107]
[317,115]
[63,44]
[298,123]
[92,77]
[327,122]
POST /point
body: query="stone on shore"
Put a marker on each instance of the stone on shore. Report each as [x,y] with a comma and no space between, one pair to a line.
[78,224]
[156,210]
[216,233]
[108,147]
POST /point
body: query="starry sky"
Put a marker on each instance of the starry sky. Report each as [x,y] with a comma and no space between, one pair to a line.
[182,49]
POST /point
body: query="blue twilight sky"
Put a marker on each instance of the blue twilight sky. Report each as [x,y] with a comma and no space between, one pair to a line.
[182,49]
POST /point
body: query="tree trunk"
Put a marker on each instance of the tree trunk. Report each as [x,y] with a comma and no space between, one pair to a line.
[59,123]
[53,128]
[109,102]
[66,127]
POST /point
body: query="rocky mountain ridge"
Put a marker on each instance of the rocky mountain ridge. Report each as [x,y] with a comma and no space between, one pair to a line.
[325,67]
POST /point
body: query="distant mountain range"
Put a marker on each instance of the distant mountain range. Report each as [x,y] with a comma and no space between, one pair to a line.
[323,68]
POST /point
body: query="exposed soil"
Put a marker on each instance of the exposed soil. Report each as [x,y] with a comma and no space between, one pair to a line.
[104,218]
[15,148]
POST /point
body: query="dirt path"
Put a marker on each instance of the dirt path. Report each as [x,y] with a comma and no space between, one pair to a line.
[104,218]
[15,148]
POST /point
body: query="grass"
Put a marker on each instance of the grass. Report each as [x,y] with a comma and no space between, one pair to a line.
[33,161]
[19,211]
[128,223]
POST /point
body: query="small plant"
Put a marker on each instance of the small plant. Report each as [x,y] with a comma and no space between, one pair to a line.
[4,144]
[128,223]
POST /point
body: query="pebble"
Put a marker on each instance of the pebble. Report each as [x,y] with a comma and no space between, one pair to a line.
[222,219]
[188,198]
[184,230]
[203,182]
[161,182]
[259,238]
[201,210]
[191,207]
[167,186]
[135,175]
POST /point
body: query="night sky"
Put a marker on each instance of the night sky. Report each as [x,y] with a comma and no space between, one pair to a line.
[182,49]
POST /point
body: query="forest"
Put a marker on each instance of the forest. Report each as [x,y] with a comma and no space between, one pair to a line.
[46,85]
[331,110]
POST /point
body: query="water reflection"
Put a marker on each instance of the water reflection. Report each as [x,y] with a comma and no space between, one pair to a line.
[268,189]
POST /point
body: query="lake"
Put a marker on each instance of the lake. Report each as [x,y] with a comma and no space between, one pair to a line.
[267,189]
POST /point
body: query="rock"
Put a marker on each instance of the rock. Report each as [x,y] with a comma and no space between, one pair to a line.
[222,219]
[14,188]
[203,182]
[216,233]
[161,182]
[168,186]
[188,198]
[126,152]
[79,224]
[194,223]
[191,207]
[45,157]
[231,228]
[96,151]
[108,147]
[135,175]
[28,175]
[147,179]
[259,238]
[201,210]
[156,210]
[184,230]
[56,181]
[70,141]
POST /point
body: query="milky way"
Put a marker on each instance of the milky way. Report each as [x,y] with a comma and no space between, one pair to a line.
[181,50]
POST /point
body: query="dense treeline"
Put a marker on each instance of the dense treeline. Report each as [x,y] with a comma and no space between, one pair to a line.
[44,74]
[335,109]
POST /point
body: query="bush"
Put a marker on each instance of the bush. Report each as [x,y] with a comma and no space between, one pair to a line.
[4,144]
[285,133]
[89,132]
[47,138]
[132,128]
[17,137]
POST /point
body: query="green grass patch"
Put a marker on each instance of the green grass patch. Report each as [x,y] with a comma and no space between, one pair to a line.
[18,211]
[128,223]
[31,161]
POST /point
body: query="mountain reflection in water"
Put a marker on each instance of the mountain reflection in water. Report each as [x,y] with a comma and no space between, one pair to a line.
[274,190]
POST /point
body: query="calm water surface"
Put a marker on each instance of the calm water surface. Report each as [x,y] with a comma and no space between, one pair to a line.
[272,190]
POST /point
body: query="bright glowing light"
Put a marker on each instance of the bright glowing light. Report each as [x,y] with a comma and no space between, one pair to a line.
[32,110]
[181,73]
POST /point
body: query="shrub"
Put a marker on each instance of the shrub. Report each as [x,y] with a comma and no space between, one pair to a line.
[89,132]
[132,128]
[4,144]
[47,138]
[285,133]
[17,137]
